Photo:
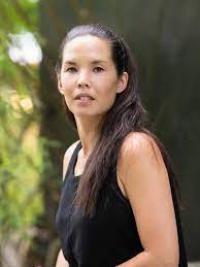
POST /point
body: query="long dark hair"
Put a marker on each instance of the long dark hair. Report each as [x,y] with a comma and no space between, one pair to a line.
[126,115]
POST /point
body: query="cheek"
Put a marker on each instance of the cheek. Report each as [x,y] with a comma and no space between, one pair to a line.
[108,96]
[109,89]
[67,90]
[67,79]
[67,85]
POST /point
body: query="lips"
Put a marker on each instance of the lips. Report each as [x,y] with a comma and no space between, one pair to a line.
[83,96]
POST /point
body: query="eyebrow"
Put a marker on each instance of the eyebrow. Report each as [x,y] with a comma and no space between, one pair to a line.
[69,62]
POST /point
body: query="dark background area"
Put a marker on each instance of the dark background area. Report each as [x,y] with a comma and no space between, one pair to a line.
[165,39]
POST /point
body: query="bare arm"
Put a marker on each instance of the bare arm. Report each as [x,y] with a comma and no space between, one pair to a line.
[61,261]
[146,183]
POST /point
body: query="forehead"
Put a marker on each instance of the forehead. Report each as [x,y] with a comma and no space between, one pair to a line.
[89,47]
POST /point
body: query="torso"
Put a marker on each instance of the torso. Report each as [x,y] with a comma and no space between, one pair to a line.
[110,236]
[89,241]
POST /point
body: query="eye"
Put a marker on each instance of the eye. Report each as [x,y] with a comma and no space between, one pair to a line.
[98,69]
[71,69]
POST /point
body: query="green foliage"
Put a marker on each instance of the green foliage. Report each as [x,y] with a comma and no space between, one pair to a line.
[22,150]
[20,167]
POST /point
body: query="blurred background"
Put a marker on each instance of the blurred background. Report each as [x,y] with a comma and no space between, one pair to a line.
[34,131]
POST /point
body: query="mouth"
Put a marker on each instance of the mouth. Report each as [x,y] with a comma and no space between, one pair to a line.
[84,97]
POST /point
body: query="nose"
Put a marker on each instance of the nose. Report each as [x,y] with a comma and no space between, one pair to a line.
[83,79]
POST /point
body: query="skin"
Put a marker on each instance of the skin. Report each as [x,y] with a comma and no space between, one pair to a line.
[144,175]
[141,172]
[98,79]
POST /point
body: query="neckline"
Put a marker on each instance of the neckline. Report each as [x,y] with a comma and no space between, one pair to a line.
[79,146]
[76,176]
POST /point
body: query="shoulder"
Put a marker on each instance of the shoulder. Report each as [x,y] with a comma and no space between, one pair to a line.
[139,152]
[139,145]
[68,153]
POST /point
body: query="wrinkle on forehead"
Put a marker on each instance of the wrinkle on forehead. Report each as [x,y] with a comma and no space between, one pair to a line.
[87,47]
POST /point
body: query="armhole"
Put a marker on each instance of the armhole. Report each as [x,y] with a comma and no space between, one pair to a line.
[71,160]
[116,188]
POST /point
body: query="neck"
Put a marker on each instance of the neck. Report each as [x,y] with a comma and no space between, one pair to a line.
[88,131]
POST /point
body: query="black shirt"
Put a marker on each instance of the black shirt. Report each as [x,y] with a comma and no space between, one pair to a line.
[110,237]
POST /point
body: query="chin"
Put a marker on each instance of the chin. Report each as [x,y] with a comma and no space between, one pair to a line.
[88,114]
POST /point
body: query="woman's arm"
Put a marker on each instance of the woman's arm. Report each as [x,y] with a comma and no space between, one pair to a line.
[146,183]
[61,261]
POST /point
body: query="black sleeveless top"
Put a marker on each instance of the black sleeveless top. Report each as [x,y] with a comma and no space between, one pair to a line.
[110,237]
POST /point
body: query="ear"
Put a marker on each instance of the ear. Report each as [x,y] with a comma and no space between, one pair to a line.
[122,83]
[60,88]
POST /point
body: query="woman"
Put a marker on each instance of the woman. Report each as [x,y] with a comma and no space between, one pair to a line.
[118,205]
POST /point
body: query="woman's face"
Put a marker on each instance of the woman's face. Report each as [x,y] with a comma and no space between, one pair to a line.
[88,69]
